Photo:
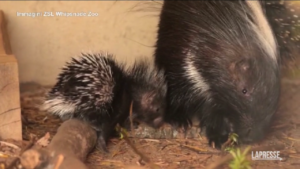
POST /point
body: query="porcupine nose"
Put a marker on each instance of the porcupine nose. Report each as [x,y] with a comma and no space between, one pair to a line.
[158,122]
[253,135]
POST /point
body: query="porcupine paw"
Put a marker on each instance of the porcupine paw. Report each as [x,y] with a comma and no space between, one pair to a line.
[182,125]
[216,138]
[102,143]
[127,125]
[217,141]
[176,123]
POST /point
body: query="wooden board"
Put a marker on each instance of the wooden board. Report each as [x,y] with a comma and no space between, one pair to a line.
[10,112]
[5,45]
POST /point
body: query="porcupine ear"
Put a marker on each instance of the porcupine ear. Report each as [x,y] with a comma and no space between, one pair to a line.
[241,66]
[238,70]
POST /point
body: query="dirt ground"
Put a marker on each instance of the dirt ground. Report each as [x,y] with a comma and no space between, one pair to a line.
[166,153]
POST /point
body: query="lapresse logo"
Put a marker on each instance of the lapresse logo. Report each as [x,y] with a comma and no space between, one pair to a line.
[265,155]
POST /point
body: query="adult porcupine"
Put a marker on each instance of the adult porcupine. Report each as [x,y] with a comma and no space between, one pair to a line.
[97,89]
[221,65]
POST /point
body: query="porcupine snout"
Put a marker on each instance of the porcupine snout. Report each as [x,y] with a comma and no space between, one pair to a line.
[256,132]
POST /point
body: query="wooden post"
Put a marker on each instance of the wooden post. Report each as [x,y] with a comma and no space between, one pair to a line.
[10,112]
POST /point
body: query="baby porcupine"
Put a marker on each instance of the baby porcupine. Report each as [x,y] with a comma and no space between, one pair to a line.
[97,89]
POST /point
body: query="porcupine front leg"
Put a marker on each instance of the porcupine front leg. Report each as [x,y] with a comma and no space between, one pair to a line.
[101,120]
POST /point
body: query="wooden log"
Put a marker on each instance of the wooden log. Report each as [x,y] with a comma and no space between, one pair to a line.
[68,148]
[10,113]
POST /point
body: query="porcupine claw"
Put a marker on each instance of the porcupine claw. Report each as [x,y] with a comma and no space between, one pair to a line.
[102,144]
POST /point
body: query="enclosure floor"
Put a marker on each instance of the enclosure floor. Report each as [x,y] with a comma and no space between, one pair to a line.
[169,153]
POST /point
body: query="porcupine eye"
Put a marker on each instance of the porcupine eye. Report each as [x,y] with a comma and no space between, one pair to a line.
[244,91]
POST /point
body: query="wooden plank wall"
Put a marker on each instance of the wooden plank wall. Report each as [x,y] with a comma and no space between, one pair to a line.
[10,111]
